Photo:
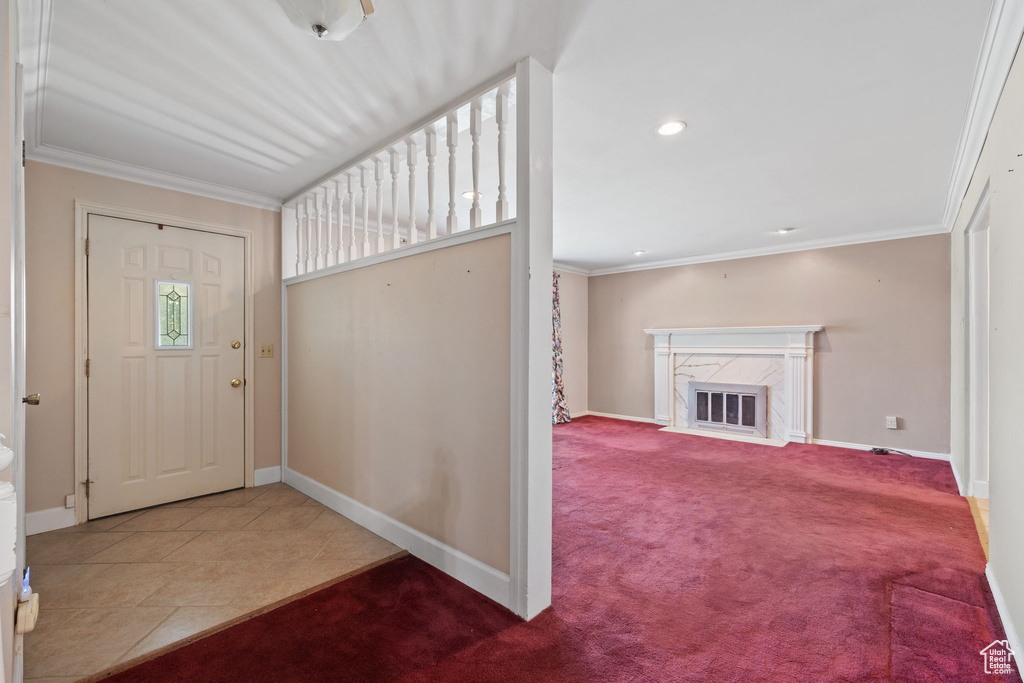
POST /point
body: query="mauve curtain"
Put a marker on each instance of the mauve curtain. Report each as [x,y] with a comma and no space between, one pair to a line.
[559,407]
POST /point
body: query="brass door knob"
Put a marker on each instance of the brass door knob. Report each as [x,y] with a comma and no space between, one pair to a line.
[236,344]
[236,382]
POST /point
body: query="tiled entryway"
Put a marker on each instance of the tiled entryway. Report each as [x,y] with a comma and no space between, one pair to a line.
[121,587]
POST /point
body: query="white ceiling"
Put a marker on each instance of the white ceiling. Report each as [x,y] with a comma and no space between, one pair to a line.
[839,118]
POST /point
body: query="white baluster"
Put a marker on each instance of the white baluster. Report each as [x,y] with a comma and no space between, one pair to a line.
[395,169]
[318,259]
[339,211]
[431,132]
[410,148]
[352,249]
[501,116]
[310,253]
[366,212]
[378,177]
[298,238]
[453,143]
[475,124]
[329,210]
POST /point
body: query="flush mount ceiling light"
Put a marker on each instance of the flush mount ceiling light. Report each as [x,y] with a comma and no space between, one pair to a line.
[783,231]
[327,19]
[469,194]
[639,252]
[671,128]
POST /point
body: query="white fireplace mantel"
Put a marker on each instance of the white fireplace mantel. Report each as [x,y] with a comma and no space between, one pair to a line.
[793,344]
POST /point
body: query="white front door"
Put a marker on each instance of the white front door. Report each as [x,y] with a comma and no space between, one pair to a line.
[166,364]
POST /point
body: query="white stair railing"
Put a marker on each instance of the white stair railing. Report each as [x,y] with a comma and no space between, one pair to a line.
[323,227]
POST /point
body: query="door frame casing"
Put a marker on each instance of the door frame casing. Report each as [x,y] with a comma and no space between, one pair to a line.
[82,211]
[976,424]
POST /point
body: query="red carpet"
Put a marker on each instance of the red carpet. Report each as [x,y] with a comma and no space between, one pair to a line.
[677,558]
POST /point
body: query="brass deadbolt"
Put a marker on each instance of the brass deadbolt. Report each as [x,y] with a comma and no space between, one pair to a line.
[236,344]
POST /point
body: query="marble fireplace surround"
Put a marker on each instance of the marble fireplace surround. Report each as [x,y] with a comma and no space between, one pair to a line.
[781,358]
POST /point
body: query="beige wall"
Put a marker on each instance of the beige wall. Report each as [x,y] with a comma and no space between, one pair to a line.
[1003,146]
[572,297]
[884,351]
[399,393]
[50,255]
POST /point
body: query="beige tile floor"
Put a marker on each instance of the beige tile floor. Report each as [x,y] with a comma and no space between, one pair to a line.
[118,588]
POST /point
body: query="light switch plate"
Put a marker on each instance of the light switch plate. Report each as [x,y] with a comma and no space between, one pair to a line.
[266,350]
[69,501]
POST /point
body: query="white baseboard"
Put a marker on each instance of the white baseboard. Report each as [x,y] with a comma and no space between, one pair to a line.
[48,520]
[1004,612]
[649,420]
[959,481]
[456,564]
[862,447]
[266,475]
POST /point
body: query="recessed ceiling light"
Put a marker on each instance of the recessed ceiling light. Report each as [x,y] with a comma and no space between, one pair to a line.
[783,231]
[639,252]
[671,128]
[469,194]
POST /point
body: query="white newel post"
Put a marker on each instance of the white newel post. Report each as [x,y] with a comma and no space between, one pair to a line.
[530,550]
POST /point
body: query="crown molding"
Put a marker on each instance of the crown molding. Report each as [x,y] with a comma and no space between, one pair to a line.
[560,267]
[824,243]
[35,23]
[998,49]
[79,161]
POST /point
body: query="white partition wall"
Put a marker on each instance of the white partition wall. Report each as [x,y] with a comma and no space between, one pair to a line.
[417,349]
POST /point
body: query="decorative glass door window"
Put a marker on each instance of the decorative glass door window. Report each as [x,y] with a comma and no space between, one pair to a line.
[173,315]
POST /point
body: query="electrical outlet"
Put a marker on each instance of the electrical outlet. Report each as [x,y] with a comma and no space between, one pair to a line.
[69,501]
[892,422]
[266,350]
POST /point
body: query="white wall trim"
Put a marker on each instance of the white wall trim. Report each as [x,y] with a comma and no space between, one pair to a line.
[82,211]
[42,521]
[35,22]
[806,245]
[649,420]
[863,447]
[79,161]
[266,475]
[566,268]
[819,442]
[998,49]
[458,565]
[1004,614]
[503,228]
[959,479]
